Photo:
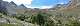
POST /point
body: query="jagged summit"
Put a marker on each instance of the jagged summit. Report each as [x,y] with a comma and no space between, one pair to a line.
[11,8]
[22,5]
[13,3]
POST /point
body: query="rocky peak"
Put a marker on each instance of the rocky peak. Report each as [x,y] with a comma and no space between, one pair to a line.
[13,3]
[22,5]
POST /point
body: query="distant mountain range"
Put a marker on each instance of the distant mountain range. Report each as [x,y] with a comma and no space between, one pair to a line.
[12,8]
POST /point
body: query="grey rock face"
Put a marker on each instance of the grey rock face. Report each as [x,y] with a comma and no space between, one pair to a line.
[11,7]
[3,6]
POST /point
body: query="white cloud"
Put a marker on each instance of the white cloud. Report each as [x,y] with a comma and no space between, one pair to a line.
[28,2]
[8,0]
[32,7]
[42,7]
[45,7]
[61,3]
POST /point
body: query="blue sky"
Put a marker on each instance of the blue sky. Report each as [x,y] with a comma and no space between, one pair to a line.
[39,3]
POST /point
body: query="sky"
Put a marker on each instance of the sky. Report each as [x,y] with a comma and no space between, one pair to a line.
[39,3]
